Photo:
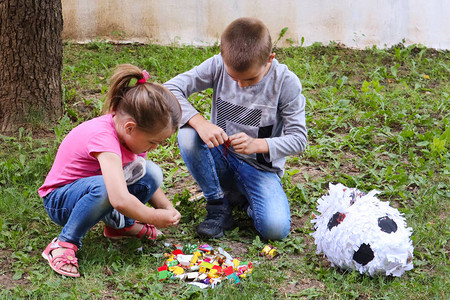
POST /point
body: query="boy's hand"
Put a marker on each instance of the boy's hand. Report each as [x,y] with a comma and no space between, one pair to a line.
[211,134]
[244,144]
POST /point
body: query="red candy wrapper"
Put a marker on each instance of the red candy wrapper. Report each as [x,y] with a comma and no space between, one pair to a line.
[226,147]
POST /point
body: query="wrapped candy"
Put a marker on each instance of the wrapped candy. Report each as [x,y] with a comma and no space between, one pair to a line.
[202,266]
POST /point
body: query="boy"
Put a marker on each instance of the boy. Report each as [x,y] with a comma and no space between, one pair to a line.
[257,119]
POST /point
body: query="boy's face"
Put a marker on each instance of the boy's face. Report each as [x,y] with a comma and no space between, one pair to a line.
[251,76]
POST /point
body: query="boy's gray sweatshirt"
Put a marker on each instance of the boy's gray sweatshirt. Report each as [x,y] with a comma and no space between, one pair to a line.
[273,109]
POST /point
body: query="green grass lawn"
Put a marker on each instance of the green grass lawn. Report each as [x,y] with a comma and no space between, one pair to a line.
[377,119]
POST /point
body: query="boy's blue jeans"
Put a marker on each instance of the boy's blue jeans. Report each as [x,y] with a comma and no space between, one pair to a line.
[227,176]
[79,205]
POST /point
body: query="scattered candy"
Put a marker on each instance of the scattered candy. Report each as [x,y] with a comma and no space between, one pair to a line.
[272,253]
[163,275]
[203,267]
[269,251]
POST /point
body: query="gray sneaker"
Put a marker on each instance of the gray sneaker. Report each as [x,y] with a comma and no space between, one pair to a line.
[217,220]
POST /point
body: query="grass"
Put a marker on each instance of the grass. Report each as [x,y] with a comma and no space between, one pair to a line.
[377,119]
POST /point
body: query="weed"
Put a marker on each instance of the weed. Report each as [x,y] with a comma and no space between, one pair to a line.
[282,33]
[377,119]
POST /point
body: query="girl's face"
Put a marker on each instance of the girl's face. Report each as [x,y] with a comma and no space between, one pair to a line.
[139,141]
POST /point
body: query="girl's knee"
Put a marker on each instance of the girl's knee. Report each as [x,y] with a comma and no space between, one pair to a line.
[154,174]
[99,197]
[98,190]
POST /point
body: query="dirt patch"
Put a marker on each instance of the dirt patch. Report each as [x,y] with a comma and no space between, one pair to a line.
[7,280]
[182,183]
[296,287]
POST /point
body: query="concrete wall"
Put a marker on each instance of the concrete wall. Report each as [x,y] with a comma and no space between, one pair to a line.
[355,23]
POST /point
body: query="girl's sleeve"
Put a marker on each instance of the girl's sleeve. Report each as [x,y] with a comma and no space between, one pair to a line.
[103,142]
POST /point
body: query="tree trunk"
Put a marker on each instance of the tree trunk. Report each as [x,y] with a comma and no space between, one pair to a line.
[30,63]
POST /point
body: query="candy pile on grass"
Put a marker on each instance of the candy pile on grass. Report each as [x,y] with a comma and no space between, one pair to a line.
[203,266]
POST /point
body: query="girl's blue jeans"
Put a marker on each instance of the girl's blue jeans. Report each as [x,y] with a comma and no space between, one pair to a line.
[79,205]
[223,175]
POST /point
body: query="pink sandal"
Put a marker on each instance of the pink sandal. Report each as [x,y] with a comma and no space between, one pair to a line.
[67,258]
[147,230]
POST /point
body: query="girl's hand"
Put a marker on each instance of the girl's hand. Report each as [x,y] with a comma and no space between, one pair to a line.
[244,144]
[176,215]
[160,202]
[165,217]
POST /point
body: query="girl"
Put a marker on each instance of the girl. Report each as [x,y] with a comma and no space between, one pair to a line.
[99,172]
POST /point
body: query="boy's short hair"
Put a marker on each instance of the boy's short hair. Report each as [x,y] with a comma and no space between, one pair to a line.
[245,42]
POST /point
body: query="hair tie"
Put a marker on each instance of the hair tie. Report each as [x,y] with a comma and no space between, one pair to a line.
[143,80]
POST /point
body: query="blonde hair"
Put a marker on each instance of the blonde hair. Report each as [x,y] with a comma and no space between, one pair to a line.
[245,42]
[150,105]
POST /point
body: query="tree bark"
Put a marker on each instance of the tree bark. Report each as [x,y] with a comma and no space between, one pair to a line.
[31,54]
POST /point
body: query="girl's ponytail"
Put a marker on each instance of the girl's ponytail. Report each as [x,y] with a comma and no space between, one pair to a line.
[120,84]
[150,105]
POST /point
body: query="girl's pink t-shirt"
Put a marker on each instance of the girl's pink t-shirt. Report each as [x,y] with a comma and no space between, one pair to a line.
[74,159]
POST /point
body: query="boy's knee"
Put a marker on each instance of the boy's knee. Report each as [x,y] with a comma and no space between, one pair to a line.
[187,137]
[275,229]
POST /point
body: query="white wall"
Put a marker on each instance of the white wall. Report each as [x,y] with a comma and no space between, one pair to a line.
[354,23]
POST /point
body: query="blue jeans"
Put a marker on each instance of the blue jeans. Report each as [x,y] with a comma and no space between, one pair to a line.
[79,205]
[226,176]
